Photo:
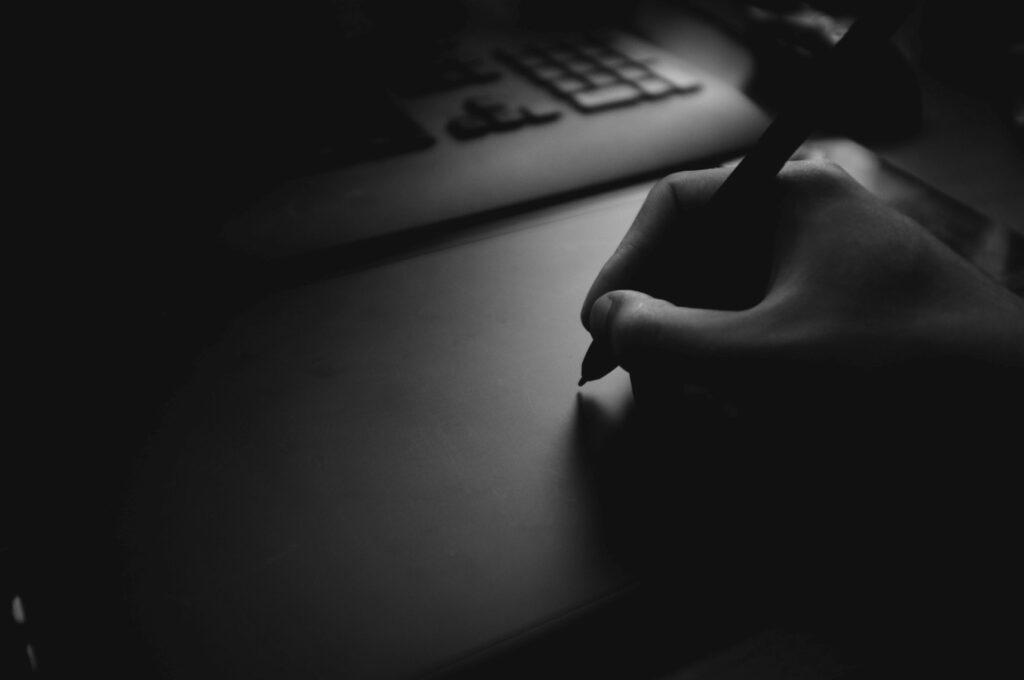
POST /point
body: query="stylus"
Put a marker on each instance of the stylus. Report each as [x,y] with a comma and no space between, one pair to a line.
[756,172]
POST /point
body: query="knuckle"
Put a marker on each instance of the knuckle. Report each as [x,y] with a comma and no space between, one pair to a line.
[675,178]
[687,186]
[664,188]
[815,177]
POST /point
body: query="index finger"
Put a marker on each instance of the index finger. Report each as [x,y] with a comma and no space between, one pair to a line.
[669,205]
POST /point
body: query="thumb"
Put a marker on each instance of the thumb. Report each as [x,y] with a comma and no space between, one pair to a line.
[638,328]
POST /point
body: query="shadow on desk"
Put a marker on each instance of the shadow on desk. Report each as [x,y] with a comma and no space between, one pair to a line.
[427,483]
[855,526]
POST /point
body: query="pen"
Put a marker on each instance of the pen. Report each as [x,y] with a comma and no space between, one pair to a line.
[754,174]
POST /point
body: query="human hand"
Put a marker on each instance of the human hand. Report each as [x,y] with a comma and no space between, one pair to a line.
[853,285]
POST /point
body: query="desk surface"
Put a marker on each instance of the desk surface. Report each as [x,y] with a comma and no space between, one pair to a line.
[373,476]
[390,472]
[258,425]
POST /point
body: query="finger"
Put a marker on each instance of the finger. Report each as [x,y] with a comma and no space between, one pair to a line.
[811,31]
[670,204]
[642,330]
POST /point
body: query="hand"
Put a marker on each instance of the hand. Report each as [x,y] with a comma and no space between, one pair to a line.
[853,284]
[862,476]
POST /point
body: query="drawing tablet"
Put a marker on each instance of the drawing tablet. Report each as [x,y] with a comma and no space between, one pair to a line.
[384,474]
[376,475]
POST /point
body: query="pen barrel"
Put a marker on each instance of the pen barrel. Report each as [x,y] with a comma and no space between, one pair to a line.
[732,269]
[726,262]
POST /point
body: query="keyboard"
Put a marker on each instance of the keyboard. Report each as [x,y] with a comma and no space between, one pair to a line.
[590,73]
[498,123]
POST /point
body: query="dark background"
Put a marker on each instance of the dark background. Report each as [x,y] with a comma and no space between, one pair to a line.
[136,132]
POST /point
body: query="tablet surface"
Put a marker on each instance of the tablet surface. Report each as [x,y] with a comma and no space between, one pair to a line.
[379,474]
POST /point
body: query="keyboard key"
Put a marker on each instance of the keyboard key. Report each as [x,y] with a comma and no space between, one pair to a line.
[498,114]
[506,118]
[468,126]
[539,113]
[613,61]
[602,79]
[654,88]
[568,86]
[632,72]
[548,72]
[606,97]
[482,105]
[580,66]
[680,79]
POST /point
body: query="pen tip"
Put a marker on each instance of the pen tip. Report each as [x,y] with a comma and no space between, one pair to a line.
[582,382]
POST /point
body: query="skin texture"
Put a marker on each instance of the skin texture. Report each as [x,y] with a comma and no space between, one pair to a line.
[841,449]
[853,284]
